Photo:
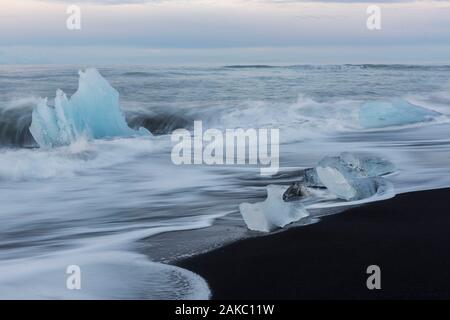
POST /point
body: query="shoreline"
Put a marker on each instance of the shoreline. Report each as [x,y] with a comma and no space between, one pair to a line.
[405,236]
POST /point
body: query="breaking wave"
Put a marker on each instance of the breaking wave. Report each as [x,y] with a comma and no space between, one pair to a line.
[15,119]
[255,66]
[331,67]
[30,121]
[110,193]
[303,118]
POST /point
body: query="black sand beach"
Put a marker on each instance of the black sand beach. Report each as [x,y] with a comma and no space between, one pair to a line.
[408,237]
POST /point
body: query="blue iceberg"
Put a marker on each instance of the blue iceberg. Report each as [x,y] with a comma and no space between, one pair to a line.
[393,113]
[93,112]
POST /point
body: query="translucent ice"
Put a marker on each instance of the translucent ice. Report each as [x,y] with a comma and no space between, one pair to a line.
[311,179]
[93,111]
[369,166]
[393,113]
[345,184]
[273,212]
[352,177]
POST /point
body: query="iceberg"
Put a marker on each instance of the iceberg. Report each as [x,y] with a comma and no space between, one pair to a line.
[352,177]
[272,213]
[93,112]
[393,113]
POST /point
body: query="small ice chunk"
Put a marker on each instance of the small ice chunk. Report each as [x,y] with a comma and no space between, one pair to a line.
[381,114]
[368,166]
[346,184]
[351,177]
[272,213]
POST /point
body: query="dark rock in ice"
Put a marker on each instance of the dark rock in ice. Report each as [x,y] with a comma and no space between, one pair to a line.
[295,192]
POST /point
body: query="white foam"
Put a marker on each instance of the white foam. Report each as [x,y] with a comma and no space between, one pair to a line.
[79,157]
[104,275]
[109,269]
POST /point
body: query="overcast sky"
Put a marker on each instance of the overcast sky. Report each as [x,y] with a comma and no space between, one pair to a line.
[163,27]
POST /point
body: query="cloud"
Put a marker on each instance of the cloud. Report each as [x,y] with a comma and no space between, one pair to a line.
[224,24]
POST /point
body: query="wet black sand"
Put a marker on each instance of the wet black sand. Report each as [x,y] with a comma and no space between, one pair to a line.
[408,237]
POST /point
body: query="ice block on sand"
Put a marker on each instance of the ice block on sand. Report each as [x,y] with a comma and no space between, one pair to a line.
[352,177]
[273,212]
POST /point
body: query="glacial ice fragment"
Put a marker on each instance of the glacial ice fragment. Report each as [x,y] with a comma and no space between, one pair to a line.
[93,111]
[44,127]
[369,166]
[352,177]
[272,213]
[380,114]
[345,184]
[311,179]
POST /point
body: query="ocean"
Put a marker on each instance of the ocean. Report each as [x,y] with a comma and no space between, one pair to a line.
[122,211]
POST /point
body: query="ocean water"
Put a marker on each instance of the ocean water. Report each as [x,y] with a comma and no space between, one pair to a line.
[121,210]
